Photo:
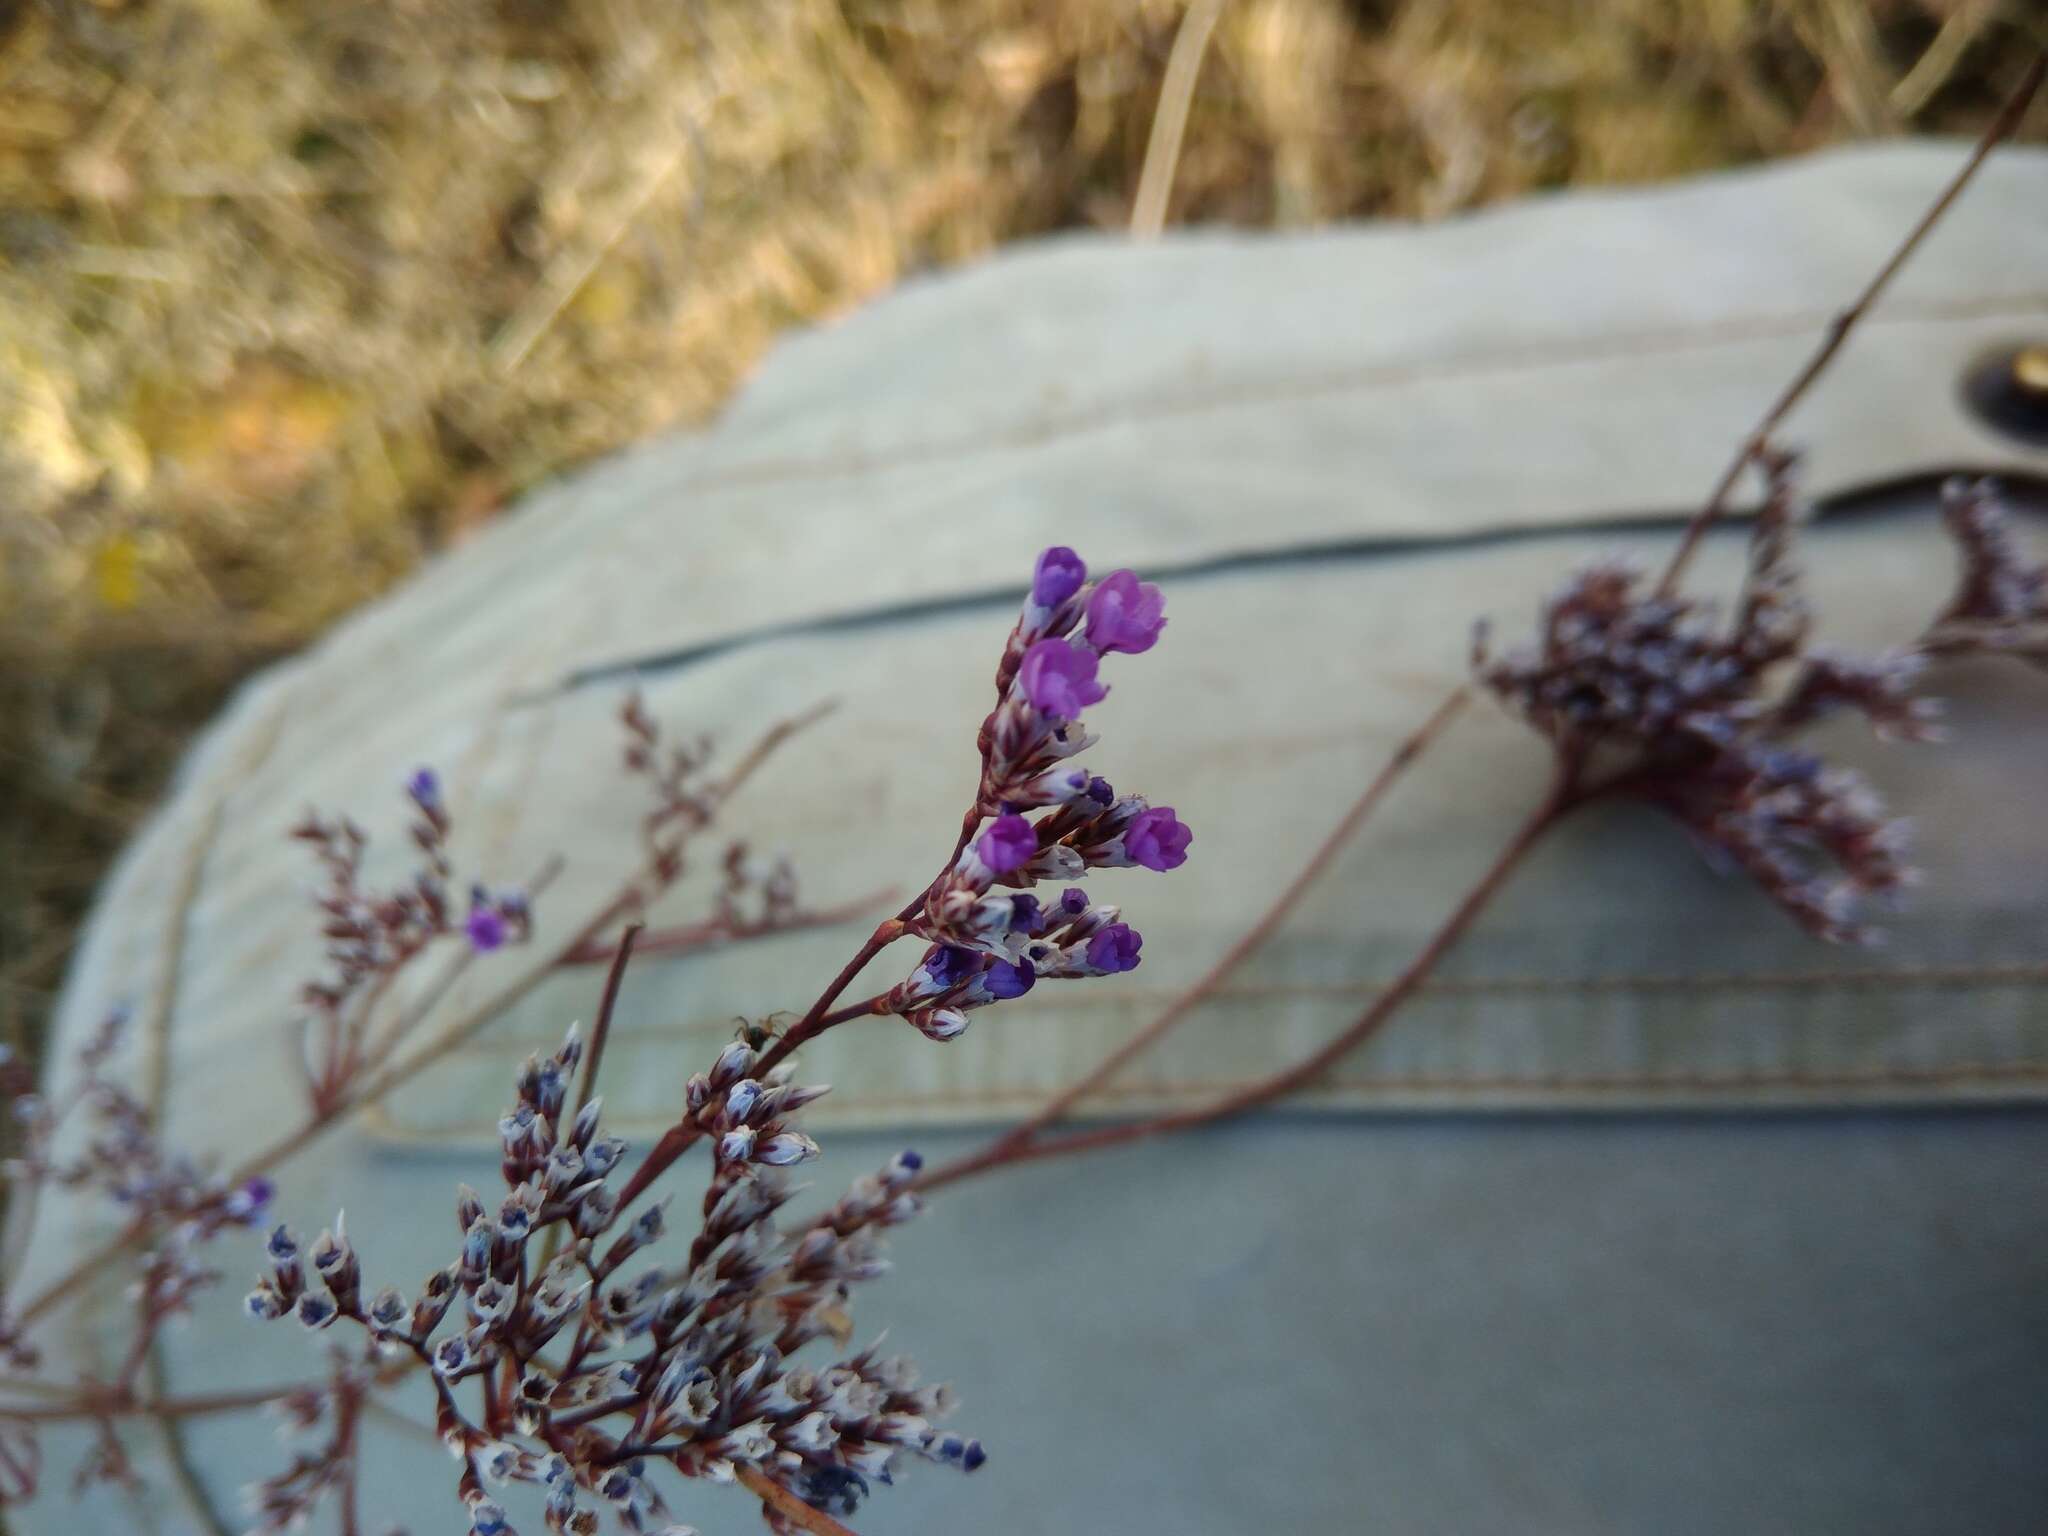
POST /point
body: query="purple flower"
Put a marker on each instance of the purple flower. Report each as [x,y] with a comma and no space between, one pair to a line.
[1100,792]
[424,786]
[1115,949]
[1073,901]
[946,967]
[1025,913]
[1008,844]
[1125,614]
[1058,577]
[1158,839]
[1059,679]
[486,929]
[1004,980]
[247,1203]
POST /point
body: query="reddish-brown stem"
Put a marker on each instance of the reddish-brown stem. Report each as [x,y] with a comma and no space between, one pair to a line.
[347,1413]
[374,1085]
[1555,804]
[681,1136]
[860,1010]
[812,1023]
[1250,941]
[104,1404]
[674,1142]
[1839,328]
[688,938]
[788,1505]
[600,1031]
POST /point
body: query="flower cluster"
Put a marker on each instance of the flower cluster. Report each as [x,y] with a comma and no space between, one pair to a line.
[588,1376]
[1649,688]
[371,936]
[173,1201]
[1048,819]
[754,893]
[159,1189]
[287,1499]
[686,798]
[2001,598]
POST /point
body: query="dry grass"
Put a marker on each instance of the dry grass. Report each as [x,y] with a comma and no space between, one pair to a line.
[293,293]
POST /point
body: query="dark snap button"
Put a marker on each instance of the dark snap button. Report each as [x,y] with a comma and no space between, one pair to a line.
[2008,391]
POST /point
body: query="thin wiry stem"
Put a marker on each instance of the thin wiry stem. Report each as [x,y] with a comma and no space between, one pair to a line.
[1247,944]
[600,1031]
[789,1506]
[1839,328]
[103,1404]
[377,1084]
[687,938]
[1555,804]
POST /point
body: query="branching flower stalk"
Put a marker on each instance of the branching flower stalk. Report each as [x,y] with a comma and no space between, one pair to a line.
[552,1367]
[1036,817]
[2000,605]
[686,1365]
[173,1207]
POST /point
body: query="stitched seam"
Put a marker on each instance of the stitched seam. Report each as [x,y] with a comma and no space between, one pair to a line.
[1557,1082]
[1931,976]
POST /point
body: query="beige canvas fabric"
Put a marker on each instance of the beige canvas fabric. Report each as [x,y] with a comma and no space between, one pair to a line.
[1335,451]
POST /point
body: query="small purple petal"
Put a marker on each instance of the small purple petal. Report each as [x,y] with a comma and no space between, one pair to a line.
[1073,901]
[1115,948]
[1100,792]
[1125,614]
[248,1203]
[1058,577]
[424,786]
[486,929]
[1009,843]
[1059,679]
[1158,839]
[1025,913]
[1005,981]
[948,966]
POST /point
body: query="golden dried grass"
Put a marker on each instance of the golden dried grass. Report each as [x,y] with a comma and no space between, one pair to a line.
[293,293]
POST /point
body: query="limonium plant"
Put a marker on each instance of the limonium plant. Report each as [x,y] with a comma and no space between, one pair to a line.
[571,1342]
[591,1360]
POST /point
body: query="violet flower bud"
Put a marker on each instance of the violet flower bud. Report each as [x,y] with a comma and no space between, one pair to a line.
[948,966]
[1125,614]
[941,1023]
[1059,679]
[1027,916]
[1056,786]
[741,1099]
[486,929]
[1003,980]
[247,1203]
[783,1150]
[1115,949]
[734,1062]
[1158,839]
[1058,577]
[1008,844]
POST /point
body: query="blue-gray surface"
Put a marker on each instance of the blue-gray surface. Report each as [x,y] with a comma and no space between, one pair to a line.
[1759,1324]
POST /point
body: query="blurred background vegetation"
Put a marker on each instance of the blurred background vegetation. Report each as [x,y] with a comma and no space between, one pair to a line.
[293,294]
